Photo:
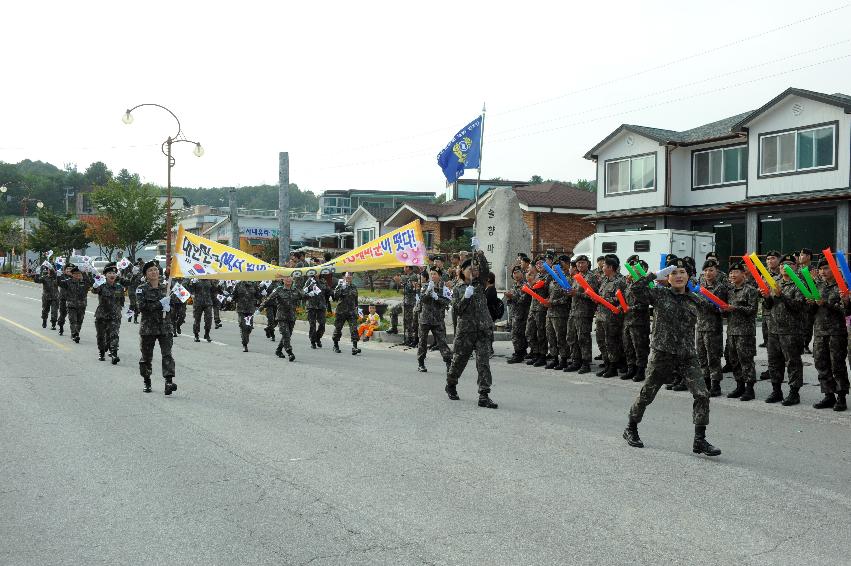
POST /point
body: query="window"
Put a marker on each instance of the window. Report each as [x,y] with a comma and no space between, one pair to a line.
[631,174]
[798,150]
[720,166]
[641,246]
[365,235]
[610,247]
[794,229]
[428,238]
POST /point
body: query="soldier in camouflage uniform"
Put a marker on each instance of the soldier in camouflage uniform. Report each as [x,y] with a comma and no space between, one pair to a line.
[49,296]
[421,279]
[673,343]
[710,328]
[743,300]
[271,318]
[409,301]
[394,312]
[475,329]
[76,297]
[722,279]
[216,289]
[134,278]
[155,304]
[775,355]
[805,258]
[286,298]
[611,323]
[108,314]
[202,305]
[433,304]
[178,308]
[246,295]
[787,305]
[536,322]
[557,317]
[581,317]
[347,312]
[520,303]
[830,341]
[63,297]
[636,330]
[317,293]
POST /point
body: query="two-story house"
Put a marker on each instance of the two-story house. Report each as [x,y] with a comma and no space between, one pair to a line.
[778,177]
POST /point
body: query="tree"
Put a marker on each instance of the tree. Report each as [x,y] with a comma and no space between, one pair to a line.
[97,174]
[463,242]
[127,178]
[586,185]
[536,180]
[61,234]
[102,232]
[133,210]
[11,237]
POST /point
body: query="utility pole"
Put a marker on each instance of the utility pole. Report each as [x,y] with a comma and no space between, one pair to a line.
[283,207]
[234,219]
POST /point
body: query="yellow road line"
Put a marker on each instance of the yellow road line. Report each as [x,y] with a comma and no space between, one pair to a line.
[36,334]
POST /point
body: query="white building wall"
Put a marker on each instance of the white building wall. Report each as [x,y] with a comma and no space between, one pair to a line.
[620,147]
[268,228]
[682,193]
[782,117]
[365,222]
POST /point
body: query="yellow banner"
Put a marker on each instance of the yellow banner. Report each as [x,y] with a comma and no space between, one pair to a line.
[200,258]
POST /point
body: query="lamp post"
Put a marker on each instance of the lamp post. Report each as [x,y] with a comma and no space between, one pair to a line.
[166,149]
[24,205]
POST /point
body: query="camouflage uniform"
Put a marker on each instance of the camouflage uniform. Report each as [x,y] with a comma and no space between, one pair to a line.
[579,323]
[202,304]
[246,295]
[431,319]
[132,283]
[76,298]
[271,318]
[557,316]
[830,340]
[155,326]
[475,332]
[285,300]
[177,312]
[316,308]
[772,339]
[809,314]
[63,300]
[536,322]
[611,323]
[673,349]
[49,296]
[636,329]
[741,331]
[108,316]
[786,311]
[409,301]
[215,291]
[347,311]
[710,333]
[520,305]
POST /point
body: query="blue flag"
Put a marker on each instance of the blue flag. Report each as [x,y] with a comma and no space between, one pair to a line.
[462,152]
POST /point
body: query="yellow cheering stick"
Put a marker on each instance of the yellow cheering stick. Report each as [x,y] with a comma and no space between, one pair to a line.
[768,278]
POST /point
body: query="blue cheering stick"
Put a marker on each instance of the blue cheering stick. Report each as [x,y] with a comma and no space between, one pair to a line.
[695,288]
[663,260]
[843,265]
[556,277]
[565,283]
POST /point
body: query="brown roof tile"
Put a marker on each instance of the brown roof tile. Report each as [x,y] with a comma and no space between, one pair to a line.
[556,195]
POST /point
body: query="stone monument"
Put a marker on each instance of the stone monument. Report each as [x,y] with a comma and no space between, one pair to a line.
[502,233]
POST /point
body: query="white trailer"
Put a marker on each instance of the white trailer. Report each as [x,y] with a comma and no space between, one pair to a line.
[648,244]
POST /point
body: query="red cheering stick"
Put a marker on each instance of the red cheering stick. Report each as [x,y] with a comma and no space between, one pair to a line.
[622,301]
[714,298]
[535,295]
[593,294]
[539,284]
[763,286]
[834,268]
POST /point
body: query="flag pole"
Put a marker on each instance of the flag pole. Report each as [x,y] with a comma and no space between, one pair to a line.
[479,175]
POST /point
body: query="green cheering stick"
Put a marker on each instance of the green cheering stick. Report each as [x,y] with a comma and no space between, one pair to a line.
[643,273]
[797,280]
[810,283]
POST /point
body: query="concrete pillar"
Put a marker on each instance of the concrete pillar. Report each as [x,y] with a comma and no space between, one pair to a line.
[283,207]
[752,226]
[842,226]
[234,219]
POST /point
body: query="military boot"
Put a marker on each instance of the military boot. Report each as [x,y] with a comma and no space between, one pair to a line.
[701,445]
[765,375]
[486,402]
[612,371]
[715,389]
[792,398]
[421,368]
[630,434]
[840,405]
[279,352]
[573,366]
[749,394]
[290,355]
[776,394]
[515,359]
[562,363]
[451,392]
[531,360]
[196,338]
[312,345]
[147,383]
[540,362]
[318,343]
[336,347]
[44,323]
[53,326]
[115,358]
[61,330]
[272,336]
[170,386]
[245,346]
[101,356]
[639,375]
[603,369]
[552,364]
[827,403]
[630,372]
[584,368]
[207,337]
[738,391]
[679,385]
[135,318]
[355,349]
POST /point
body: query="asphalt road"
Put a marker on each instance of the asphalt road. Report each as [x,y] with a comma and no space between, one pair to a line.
[335,459]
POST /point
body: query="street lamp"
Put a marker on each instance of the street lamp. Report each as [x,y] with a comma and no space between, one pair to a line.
[24,204]
[166,149]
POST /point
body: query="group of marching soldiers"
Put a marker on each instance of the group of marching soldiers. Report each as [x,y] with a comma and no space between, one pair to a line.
[556,333]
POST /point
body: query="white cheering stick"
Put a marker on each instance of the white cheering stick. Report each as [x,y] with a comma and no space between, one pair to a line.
[663,273]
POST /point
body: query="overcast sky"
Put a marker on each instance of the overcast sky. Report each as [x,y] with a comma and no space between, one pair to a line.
[363,95]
